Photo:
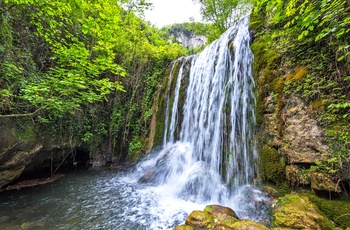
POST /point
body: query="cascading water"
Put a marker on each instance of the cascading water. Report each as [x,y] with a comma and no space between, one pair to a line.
[209,152]
[208,157]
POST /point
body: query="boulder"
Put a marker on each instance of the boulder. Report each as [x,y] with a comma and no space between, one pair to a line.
[184,227]
[147,176]
[220,212]
[297,212]
[200,220]
[322,181]
[216,217]
[248,225]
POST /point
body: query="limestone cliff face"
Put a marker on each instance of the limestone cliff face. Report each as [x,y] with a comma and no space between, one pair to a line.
[287,129]
[299,141]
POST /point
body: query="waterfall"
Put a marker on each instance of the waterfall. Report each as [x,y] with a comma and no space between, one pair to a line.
[209,152]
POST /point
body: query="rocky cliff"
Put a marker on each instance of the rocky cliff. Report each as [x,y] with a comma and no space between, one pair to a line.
[28,152]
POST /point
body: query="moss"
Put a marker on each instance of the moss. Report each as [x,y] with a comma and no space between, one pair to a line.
[26,133]
[184,227]
[247,224]
[297,212]
[266,73]
[200,220]
[270,165]
[300,73]
[336,210]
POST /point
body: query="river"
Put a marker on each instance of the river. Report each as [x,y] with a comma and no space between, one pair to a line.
[92,199]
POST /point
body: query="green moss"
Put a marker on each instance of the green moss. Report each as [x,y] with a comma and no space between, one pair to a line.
[297,212]
[26,133]
[200,220]
[270,165]
[336,210]
[266,72]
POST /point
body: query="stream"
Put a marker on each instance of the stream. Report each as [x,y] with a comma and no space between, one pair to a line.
[92,200]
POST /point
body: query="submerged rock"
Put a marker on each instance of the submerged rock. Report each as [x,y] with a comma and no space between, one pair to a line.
[297,212]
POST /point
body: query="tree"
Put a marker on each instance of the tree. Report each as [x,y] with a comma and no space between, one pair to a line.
[223,13]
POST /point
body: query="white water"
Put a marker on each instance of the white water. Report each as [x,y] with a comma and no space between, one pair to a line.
[212,159]
[215,123]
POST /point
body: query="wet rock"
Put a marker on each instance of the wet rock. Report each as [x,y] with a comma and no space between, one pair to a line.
[220,212]
[184,227]
[248,225]
[297,212]
[147,176]
[216,217]
[270,191]
[200,220]
[322,181]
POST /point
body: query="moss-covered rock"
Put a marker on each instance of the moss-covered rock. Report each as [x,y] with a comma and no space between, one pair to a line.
[297,212]
[271,165]
[336,210]
[323,181]
[200,220]
[220,212]
[248,225]
[184,227]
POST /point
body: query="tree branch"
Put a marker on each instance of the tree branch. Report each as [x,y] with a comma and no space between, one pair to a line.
[21,115]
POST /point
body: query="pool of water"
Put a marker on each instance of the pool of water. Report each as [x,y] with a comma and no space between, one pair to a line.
[93,200]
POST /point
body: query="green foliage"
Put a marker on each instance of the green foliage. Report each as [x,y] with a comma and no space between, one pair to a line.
[90,69]
[222,14]
[312,40]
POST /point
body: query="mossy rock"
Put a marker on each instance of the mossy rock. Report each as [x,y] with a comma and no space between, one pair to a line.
[297,212]
[336,210]
[270,165]
[184,227]
[248,225]
[220,212]
[200,220]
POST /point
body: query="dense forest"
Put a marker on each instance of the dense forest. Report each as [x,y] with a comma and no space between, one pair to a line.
[86,69]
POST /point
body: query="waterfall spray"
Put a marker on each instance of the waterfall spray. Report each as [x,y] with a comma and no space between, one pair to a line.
[213,155]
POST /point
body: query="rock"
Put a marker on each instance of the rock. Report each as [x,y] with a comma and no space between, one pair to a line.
[295,176]
[305,138]
[200,220]
[297,212]
[322,181]
[270,191]
[13,162]
[224,217]
[220,212]
[184,227]
[248,225]
[216,217]
[147,176]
